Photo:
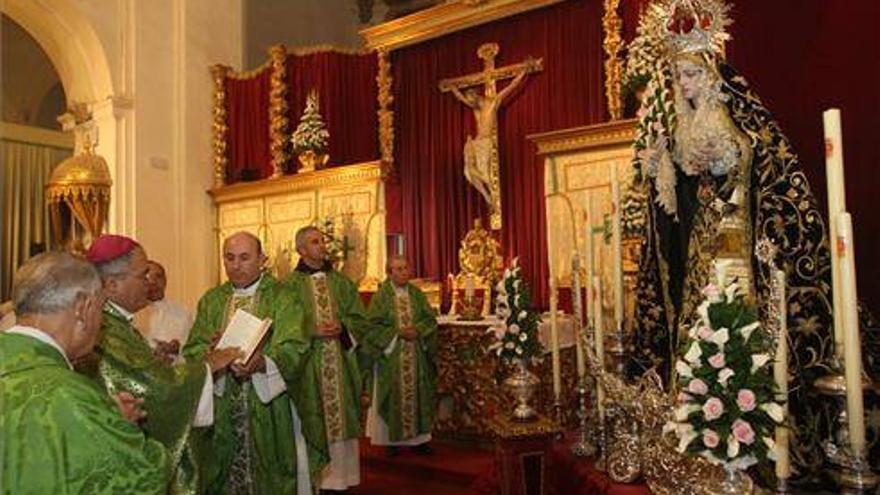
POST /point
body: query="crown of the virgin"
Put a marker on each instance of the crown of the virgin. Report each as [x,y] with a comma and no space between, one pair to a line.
[691,26]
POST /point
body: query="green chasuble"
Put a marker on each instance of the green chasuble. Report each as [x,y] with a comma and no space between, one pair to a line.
[328,384]
[407,376]
[123,361]
[60,434]
[250,447]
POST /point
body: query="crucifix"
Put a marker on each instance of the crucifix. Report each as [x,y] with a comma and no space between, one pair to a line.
[481,161]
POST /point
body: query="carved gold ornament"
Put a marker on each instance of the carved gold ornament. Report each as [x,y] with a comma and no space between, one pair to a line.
[385,114]
[278,109]
[220,128]
[612,24]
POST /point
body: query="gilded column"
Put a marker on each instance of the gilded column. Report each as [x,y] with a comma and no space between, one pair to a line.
[385,114]
[220,128]
[612,25]
[278,109]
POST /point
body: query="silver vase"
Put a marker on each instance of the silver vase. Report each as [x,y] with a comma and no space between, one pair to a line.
[521,385]
[735,482]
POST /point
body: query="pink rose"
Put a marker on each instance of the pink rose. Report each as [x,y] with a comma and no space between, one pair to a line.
[712,292]
[710,439]
[713,409]
[704,332]
[745,399]
[697,386]
[743,432]
[683,397]
[717,360]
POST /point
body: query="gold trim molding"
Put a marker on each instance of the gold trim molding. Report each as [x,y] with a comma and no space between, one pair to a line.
[443,19]
[327,177]
[586,137]
[300,51]
[11,131]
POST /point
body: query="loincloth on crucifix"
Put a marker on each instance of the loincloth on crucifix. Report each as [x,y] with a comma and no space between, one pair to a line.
[481,160]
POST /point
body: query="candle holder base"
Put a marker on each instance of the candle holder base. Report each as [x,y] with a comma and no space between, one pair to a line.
[584,447]
[782,486]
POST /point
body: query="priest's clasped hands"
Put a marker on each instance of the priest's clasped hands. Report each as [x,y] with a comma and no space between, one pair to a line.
[408,333]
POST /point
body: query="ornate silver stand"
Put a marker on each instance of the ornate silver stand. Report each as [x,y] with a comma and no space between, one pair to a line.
[584,446]
[853,473]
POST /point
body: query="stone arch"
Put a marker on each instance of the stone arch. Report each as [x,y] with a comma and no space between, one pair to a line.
[70,42]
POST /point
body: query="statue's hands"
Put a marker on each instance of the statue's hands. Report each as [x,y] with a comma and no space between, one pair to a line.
[130,406]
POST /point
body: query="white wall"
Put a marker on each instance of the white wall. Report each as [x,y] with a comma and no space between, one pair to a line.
[159,53]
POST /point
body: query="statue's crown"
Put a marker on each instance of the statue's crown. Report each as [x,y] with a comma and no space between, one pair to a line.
[692,26]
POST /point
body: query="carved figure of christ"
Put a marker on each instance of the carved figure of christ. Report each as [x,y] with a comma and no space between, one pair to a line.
[481,151]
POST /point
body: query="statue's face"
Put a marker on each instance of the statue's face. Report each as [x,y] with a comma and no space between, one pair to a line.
[690,77]
[472,96]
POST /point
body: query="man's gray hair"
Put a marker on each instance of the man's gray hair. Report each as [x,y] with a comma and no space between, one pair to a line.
[118,267]
[301,235]
[392,258]
[52,282]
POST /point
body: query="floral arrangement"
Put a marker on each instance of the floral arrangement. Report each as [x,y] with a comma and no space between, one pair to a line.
[516,333]
[311,133]
[726,409]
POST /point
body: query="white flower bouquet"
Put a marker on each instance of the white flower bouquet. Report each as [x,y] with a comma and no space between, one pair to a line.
[516,334]
[726,408]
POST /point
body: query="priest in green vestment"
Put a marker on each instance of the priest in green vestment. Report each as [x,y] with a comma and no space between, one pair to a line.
[405,375]
[327,391]
[59,432]
[250,448]
[176,397]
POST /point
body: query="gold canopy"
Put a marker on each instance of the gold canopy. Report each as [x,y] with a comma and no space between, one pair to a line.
[78,194]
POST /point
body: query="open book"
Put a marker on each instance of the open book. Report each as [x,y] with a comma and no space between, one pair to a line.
[246,332]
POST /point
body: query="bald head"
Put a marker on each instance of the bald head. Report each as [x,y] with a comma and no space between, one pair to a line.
[243,258]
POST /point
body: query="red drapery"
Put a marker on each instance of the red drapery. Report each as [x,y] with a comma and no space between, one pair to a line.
[347,91]
[802,57]
[247,106]
[437,204]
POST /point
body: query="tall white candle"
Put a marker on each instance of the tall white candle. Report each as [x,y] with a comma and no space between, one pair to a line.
[618,248]
[588,240]
[599,334]
[576,306]
[780,374]
[836,206]
[554,342]
[852,342]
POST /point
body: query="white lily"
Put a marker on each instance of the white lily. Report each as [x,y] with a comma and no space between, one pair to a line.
[682,412]
[720,337]
[683,369]
[731,291]
[725,375]
[732,447]
[703,311]
[774,410]
[747,330]
[686,440]
[759,360]
[694,353]
[772,451]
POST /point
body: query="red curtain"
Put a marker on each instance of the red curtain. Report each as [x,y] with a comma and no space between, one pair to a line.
[347,91]
[802,57]
[247,102]
[437,204]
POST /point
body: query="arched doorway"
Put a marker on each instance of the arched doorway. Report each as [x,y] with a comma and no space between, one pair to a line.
[69,39]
